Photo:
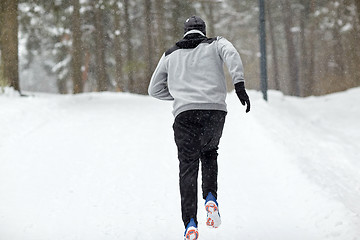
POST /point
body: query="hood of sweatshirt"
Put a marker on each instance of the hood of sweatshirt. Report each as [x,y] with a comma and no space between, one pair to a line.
[191,41]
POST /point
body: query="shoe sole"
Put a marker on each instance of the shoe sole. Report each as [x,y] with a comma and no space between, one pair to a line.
[213,216]
[191,234]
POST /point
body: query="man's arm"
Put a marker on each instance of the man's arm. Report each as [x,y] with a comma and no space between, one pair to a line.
[232,59]
[158,87]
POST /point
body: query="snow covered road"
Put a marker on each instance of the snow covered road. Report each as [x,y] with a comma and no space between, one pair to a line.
[104,166]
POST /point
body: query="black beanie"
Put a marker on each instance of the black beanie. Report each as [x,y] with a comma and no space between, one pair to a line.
[195,22]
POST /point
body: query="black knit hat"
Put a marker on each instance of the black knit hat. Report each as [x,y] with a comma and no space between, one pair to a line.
[195,22]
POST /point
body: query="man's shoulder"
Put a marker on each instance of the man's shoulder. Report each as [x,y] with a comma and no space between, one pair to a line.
[171,50]
[209,40]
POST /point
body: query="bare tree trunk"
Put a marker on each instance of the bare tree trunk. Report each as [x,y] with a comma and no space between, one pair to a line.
[176,32]
[76,49]
[9,43]
[273,48]
[357,3]
[160,9]
[149,47]
[62,78]
[61,85]
[117,50]
[311,65]
[356,39]
[352,59]
[129,54]
[303,49]
[85,73]
[181,10]
[100,68]
[338,47]
[209,12]
[291,51]
[3,82]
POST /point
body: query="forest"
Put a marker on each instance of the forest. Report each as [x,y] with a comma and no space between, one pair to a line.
[75,46]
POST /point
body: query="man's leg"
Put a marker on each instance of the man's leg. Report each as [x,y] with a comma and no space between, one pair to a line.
[209,170]
[188,189]
[209,167]
[212,132]
[188,143]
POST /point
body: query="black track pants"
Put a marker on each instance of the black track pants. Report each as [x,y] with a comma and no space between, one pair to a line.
[197,135]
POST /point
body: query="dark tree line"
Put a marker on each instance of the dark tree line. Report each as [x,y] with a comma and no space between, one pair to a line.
[114,45]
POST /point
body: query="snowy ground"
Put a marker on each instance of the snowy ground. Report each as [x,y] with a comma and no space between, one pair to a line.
[103,166]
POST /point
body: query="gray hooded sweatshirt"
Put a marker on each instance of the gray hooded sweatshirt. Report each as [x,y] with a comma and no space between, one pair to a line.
[192,73]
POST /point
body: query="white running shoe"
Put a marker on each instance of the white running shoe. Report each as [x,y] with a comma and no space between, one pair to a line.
[191,232]
[213,219]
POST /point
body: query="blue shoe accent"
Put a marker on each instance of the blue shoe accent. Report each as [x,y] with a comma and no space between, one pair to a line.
[191,224]
[211,197]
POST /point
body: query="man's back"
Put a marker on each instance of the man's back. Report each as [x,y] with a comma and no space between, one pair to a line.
[196,78]
[194,74]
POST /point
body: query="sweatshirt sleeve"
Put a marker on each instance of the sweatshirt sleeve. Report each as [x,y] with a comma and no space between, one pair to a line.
[158,87]
[232,59]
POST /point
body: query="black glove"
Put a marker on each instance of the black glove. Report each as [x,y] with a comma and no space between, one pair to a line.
[242,95]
